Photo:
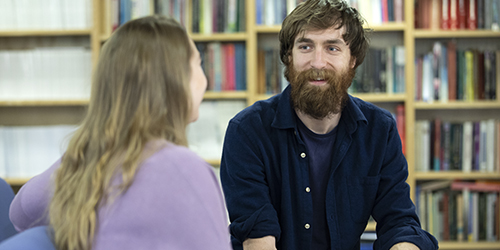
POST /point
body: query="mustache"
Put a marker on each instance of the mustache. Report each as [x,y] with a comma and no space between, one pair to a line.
[317,74]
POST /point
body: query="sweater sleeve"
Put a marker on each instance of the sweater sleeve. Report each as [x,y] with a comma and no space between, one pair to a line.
[30,206]
[394,211]
[245,187]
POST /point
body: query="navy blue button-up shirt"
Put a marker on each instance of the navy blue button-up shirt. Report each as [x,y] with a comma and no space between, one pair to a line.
[265,175]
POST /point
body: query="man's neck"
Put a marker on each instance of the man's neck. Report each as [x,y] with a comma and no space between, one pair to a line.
[317,126]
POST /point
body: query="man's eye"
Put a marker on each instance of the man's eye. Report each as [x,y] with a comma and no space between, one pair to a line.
[333,49]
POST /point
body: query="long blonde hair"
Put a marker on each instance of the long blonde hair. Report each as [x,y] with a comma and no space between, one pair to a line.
[140,92]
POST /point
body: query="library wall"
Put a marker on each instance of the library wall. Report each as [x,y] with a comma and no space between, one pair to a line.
[242,46]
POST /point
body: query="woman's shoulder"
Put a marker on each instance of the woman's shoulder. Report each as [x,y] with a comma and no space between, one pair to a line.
[179,162]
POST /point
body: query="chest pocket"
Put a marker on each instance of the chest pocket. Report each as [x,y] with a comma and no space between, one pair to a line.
[362,194]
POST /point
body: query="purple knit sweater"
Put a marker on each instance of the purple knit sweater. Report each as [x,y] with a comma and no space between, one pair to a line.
[174,202]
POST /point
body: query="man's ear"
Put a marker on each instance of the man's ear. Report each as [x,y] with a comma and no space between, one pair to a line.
[353,62]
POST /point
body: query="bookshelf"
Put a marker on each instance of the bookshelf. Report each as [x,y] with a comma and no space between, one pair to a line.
[454,111]
[415,41]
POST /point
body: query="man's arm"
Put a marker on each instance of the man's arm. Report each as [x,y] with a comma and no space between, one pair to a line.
[404,246]
[264,243]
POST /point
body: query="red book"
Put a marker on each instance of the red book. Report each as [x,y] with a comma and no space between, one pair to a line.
[452,70]
[400,123]
[437,145]
[453,15]
[472,15]
[424,14]
[385,11]
[475,186]
[445,14]
[462,14]
[230,67]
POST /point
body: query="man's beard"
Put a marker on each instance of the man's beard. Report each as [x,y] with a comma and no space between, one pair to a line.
[319,101]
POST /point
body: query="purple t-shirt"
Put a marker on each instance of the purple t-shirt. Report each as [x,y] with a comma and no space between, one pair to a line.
[174,202]
[319,150]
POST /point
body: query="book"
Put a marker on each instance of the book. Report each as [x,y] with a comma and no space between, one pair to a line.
[462,14]
[436,138]
[240,66]
[452,70]
[453,14]
[467,147]
[445,14]
[472,15]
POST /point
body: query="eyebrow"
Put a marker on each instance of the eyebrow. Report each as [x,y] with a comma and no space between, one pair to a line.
[331,41]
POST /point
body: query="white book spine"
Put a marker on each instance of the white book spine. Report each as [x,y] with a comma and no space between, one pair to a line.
[269,17]
[467,147]
[490,145]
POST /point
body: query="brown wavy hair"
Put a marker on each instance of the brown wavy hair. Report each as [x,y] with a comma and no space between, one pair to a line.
[320,15]
[140,92]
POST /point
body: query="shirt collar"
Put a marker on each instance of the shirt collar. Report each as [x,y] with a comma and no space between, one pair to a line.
[285,117]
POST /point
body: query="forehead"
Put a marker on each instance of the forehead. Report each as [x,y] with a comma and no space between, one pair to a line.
[321,35]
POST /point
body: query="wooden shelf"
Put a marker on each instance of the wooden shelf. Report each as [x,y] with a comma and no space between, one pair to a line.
[458,105]
[419,33]
[41,103]
[469,245]
[225,95]
[213,162]
[455,175]
[220,37]
[380,97]
[14,33]
[16,181]
[372,225]
[214,37]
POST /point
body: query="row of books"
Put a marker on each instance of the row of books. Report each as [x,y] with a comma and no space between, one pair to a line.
[382,71]
[447,73]
[270,72]
[45,73]
[122,11]
[273,12]
[224,65]
[206,135]
[26,151]
[460,210]
[464,146]
[47,14]
[218,16]
[457,14]
[377,12]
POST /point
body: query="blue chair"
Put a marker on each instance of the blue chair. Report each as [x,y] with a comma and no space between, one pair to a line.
[6,196]
[36,238]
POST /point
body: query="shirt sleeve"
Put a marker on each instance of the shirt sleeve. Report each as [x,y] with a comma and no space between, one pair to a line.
[394,211]
[243,178]
[30,206]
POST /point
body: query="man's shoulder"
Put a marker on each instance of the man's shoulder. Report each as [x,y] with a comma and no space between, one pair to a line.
[262,110]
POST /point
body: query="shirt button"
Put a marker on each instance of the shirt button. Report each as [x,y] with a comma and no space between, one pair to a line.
[308,189]
[307,226]
[303,155]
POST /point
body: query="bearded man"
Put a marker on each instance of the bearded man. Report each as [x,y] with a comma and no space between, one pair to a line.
[306,168]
